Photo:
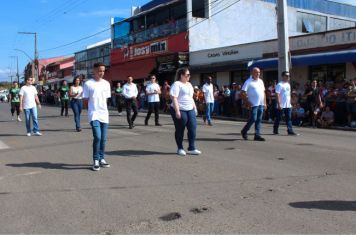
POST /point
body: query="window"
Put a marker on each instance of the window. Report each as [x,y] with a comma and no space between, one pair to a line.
[328,73]
[341,24]
[239,76]
[179,11]
[200,8]
[310,23]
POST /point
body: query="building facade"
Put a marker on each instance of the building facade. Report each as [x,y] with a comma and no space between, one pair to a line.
[58,71]
[230,35]
[154,40]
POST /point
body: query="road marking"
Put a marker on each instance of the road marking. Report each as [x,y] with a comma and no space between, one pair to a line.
[3,145]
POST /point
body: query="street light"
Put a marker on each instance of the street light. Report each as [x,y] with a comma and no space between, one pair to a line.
[36,52]
[17,72]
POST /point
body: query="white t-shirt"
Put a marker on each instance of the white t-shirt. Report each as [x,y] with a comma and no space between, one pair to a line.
[184,94]
[130,91]
[255,90]
[208,91]
[97,93]
[151,88]
[28,93]
[284,91]
[77,90]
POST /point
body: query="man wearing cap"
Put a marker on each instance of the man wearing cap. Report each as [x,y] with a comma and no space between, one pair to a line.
[283,99]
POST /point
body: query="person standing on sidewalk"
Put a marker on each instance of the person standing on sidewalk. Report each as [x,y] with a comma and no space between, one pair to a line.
[153,91]
[184,111]
[76,103]
[208,90]
[28,103]
[130,92]
[119,98]
[253,94]
[64,96]
[97,91]
[284,106]
[14,98]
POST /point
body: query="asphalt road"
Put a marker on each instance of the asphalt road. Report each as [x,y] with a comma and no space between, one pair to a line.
[286,185]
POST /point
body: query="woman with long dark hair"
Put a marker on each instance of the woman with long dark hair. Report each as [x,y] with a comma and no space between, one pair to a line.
[76,103]
[184,111]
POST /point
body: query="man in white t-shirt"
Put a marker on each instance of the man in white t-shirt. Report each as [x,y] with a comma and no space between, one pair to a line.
[283,99]
[28,103]
[208,90]
[153,91]
[97,91]
[130,93]
[253,94]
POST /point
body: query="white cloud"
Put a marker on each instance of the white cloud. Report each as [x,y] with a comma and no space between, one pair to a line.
[110,12]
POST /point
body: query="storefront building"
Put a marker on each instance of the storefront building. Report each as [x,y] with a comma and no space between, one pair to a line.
[226,44]
[59,71]
[154,40]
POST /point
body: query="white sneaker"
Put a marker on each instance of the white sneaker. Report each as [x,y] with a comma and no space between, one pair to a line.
[194,152]
[19,119]
[181,152]
[37,134]
[28,134]
[120,114]
[96,165]
[12,118]
[104,164]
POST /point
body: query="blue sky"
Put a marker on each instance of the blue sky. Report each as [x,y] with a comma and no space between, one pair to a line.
[57,22]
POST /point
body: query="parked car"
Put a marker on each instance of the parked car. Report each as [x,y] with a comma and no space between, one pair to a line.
[4,94]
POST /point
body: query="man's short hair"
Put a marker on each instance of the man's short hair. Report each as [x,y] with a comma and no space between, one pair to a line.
[98,64]
[284,73]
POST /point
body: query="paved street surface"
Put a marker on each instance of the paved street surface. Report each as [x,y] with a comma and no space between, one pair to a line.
[287,185]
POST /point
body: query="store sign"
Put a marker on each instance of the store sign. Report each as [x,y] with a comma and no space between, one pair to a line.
[223,53]
[145,50]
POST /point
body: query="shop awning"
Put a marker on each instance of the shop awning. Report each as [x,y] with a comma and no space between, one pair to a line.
[310,59]
[138,69]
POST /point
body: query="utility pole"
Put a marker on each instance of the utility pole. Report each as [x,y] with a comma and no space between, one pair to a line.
[283,38]
[35,61]
[17,66]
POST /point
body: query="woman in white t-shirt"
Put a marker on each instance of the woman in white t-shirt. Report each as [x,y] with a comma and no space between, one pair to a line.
[76,103]
[183,111]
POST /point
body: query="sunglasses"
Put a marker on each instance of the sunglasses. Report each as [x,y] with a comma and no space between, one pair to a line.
[188,75]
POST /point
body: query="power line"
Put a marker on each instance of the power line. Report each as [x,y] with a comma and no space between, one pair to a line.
[107,29]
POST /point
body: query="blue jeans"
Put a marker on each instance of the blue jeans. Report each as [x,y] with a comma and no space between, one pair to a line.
[31,113]
[99,133]
[77,106]
[209,108]
[189,120]
[255,118]
[288,114]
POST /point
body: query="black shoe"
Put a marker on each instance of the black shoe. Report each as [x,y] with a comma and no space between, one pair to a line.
[244,135]
[275,132]
[259,138]
[79,130]
[158,124]
[133,125]
[293,134]
[146,123]
[130,127]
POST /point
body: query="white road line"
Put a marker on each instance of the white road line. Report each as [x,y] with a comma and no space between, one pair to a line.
[3,145]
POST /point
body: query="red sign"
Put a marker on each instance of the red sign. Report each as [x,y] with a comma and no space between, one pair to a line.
[168,45]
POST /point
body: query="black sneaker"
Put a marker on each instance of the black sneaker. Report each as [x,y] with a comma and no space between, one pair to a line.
[244,135]
[79,130]
[158,124]
[146,123]
[130,127]
[293,134]
[104,164]
[259,138]
[275,132]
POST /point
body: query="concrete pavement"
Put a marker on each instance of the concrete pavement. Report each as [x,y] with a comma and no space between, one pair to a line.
[287,185]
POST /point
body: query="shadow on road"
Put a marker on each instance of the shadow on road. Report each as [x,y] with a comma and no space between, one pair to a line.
[51,166]
[127,153]
[217,139]
[331,205]
[12,135]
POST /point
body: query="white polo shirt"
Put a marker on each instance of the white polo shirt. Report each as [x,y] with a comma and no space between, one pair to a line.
[284,91]
[208,90]
[151,88]
[130,90]
[255,90]
[97,92]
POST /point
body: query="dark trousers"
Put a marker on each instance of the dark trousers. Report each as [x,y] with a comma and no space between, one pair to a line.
[131,105]
[15,106]
[188,119]
[153,106]
[119,103]
[288,115]
[77,106]
[64,107]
